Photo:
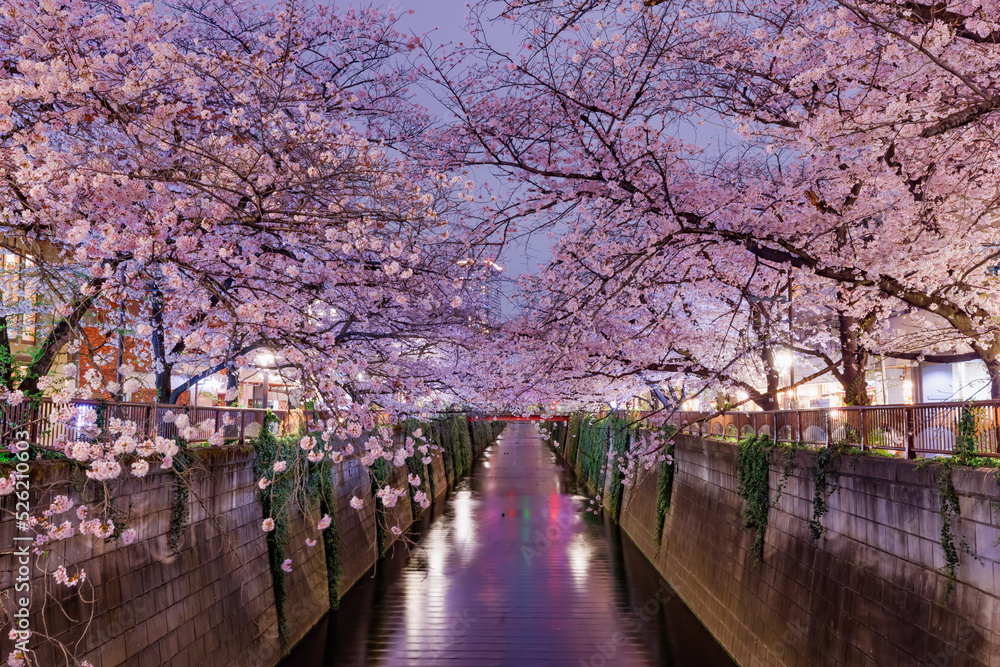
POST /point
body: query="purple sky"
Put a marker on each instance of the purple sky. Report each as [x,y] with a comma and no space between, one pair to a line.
[443,21]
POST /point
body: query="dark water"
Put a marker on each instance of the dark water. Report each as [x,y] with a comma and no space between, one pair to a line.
[512,570]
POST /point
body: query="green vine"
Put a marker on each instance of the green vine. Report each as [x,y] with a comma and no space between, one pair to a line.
[573,439]
[380,473]
[415,466]
[463,446]
[822,488]
[665,482]
[964,455]
[333,571]
[753,468]
[589,461]
[179,509]
[619,432]
[269,449]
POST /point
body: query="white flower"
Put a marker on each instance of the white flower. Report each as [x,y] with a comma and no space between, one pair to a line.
[268,525]
[129,535]
[287,565]
[357,503]
[324,523]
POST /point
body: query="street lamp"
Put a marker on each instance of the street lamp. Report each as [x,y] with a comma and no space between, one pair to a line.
[785,361]
[265,360]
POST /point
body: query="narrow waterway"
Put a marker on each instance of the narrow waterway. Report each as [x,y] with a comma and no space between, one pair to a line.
[513,570]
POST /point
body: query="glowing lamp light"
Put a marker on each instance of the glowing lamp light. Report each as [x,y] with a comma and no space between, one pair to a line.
[211,384]
[784,360]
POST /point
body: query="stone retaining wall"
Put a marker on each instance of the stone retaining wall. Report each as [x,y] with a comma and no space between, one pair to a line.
[212,602]
[871,591]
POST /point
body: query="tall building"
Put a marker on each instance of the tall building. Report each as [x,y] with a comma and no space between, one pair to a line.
[489,294]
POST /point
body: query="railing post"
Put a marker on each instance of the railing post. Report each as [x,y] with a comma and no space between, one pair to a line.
[149,422]
[864,428]
[798,426]
[34,414]
[826,413]
[774,426]
[242,426]
[909,429]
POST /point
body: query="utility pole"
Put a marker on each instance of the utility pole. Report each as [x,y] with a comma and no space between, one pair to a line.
[791,339]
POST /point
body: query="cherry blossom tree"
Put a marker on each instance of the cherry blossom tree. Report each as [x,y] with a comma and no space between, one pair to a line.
[218,168]
[586,122]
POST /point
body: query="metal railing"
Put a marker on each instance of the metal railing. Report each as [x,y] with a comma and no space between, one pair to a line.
[35,420]
[925,429]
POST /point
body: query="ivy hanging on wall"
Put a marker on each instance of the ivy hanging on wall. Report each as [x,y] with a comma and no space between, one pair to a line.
[332,553]
[826,468]
[753,471]
[380,473]
[179,509]
[573,439]
[269,449]
[665,481]
[620,431]
[964,454]
[753,468]
[415,465]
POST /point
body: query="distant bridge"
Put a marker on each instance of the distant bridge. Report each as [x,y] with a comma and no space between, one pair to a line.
[517,418]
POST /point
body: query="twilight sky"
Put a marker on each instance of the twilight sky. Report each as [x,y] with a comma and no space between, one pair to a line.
[443,21]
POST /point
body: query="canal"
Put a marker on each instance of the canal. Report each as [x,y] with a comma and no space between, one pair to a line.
[512,570]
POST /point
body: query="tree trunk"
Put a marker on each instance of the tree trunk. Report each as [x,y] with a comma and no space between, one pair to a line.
[991,357]
[162,369]
[854,358]
[232,381]
[769,399]
[6,357]
[760,322]
[60,335]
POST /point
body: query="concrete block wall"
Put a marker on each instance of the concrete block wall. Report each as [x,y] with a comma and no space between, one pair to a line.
[871,591]
[213,602]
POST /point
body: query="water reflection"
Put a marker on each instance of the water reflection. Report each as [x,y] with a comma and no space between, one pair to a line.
[513,572]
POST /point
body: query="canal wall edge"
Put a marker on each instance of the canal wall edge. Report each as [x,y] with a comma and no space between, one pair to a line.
[211,601]
[870,591]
